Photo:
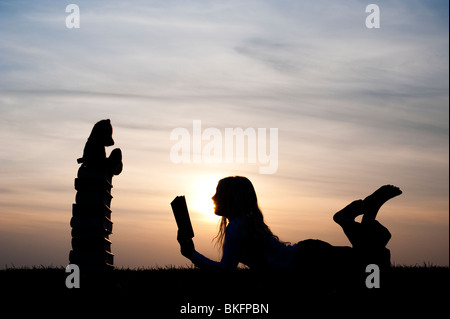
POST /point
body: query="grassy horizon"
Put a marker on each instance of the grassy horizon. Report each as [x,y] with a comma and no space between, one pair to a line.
[422,265]
[403,290]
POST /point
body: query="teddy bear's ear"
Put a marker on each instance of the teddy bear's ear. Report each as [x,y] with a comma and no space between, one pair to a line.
[102,133]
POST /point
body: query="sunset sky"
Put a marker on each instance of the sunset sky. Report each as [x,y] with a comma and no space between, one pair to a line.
[355,108]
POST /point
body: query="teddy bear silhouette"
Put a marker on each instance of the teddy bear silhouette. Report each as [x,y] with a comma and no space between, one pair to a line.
[94,158]
[91,214]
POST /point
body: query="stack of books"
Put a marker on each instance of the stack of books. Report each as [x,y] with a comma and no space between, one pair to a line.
[91,223]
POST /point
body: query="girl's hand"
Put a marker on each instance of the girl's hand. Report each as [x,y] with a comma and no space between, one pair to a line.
[187,247]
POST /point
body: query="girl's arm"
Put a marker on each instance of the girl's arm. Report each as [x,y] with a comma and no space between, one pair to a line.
[231,252]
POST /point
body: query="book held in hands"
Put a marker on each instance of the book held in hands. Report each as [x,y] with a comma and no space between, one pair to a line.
[180,211]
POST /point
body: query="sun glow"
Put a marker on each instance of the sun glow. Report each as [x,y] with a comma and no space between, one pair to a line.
[202,191]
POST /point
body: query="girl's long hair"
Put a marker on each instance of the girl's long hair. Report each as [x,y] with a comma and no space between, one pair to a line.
[238,199]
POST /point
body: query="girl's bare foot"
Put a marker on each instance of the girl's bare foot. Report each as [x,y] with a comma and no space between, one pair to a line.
[373,202]
[349,213]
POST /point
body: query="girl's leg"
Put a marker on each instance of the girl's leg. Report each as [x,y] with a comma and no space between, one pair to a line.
[348,214]
[373,202]
[369,238]
[369,233]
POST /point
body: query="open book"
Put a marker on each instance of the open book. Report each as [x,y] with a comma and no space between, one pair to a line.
[181,214]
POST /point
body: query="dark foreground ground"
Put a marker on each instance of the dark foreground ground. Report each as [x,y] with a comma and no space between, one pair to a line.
[170,292]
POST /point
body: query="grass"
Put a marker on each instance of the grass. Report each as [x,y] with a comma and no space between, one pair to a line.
[166,289]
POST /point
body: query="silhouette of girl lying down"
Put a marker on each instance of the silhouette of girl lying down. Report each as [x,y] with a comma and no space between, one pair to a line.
[244,236]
